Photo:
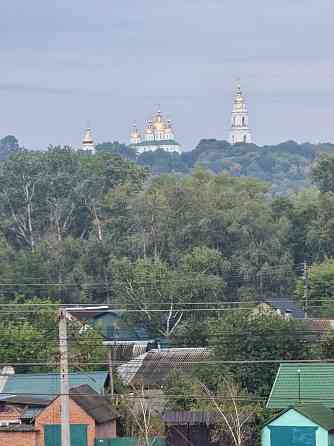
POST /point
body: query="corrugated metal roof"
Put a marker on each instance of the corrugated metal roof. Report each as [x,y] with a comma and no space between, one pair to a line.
[154,367]
[316,385]
[47,386]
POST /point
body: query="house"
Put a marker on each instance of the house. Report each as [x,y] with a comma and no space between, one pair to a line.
[282,306]
[301,425]
[297,383]
[153,368]
[112,325]
[38,423]
[125,340]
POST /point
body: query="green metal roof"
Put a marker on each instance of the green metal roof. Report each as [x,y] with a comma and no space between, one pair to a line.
[318,413]
[314,384]
[47,385]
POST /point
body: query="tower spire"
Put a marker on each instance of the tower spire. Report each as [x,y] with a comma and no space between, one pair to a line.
[88,143]
[240,132]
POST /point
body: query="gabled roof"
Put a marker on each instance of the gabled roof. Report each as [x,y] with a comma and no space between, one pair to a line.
[154,367]
[287,305]
[318,413]
[316,385]
[96,405]
[46,386]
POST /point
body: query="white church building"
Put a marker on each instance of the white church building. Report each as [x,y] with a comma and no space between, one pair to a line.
[158,134]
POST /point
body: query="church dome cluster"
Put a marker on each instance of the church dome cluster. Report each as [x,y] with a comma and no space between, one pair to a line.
[158,134]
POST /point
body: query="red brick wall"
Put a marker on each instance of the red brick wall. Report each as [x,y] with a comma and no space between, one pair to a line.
[106,430]
[51,415]
[18,439]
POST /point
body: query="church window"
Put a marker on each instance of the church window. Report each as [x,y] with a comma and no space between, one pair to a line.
[243,121]
[245,138]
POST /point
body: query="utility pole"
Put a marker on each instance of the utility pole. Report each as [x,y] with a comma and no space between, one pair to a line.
[64,380]
[111,372]
[306,288]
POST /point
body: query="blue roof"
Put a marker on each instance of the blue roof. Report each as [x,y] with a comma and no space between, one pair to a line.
[287,305]
[47,385]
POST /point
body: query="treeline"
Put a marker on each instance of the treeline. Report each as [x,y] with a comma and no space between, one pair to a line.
[285,166]
[80,227]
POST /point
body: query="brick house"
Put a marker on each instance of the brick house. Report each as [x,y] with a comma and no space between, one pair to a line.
[91,417]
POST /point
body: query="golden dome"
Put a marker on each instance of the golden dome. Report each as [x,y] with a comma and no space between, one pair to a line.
[159,125]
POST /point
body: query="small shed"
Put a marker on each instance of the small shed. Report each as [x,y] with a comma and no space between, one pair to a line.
[305,425]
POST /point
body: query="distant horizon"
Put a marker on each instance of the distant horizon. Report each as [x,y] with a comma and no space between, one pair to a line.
[23,146]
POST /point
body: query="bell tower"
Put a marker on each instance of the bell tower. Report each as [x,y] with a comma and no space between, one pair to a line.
[240,132]
[88,144]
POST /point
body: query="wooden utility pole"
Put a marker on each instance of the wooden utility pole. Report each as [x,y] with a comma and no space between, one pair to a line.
[306,289]
[64,380]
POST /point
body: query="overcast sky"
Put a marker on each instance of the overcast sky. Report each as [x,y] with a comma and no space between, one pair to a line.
[111,62]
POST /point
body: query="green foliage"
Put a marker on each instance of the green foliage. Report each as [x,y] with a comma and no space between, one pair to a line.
[286,166]
[117,149]
[184,393]
[241,336]
[323,173]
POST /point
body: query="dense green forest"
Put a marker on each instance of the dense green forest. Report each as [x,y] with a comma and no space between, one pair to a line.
[286,167]
[77,228]
[105,225]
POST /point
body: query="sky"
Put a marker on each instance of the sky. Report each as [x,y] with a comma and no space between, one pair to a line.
[66,64]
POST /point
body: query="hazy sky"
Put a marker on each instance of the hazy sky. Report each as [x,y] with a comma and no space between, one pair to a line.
[110,62]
